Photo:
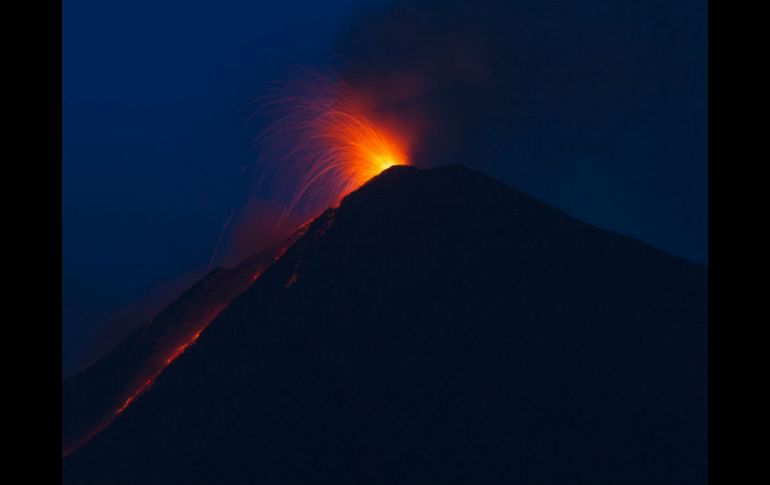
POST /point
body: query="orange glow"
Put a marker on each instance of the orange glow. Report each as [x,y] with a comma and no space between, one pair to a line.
[144,381]
[180,349]
[327,141]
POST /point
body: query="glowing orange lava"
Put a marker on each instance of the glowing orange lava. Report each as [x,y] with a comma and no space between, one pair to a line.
[326,141]
[162,353]
[142,384]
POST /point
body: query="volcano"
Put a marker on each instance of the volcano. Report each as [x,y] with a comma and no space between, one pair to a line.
[436,327]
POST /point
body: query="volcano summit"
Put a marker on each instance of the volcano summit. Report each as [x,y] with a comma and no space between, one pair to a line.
[437,327]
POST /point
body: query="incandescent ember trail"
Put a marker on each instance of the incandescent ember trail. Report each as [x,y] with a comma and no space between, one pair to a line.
[327,139]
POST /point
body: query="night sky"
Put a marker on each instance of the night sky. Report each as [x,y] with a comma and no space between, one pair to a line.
[596,108]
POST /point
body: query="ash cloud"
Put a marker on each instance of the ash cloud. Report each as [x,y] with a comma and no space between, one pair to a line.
[598,107]
[574,66]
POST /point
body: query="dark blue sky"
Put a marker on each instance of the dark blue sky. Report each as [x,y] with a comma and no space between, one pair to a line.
[595,108]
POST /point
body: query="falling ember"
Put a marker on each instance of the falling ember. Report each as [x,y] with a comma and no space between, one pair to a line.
[292,279]
[326,141]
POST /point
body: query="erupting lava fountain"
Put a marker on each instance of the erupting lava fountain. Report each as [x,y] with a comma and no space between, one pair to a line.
[327,140]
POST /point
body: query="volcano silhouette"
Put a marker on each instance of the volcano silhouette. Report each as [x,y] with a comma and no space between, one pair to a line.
[437,327]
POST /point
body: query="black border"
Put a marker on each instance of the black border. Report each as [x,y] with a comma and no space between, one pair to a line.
[54,188]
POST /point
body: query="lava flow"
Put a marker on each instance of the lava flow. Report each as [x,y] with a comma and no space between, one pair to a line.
[153,367]
[160,343]
[327,140]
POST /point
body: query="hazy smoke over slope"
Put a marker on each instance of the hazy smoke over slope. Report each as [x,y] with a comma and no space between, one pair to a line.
[598,106]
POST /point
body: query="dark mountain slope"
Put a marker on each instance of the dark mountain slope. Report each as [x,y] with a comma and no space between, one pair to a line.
[92,398]
[438,327]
